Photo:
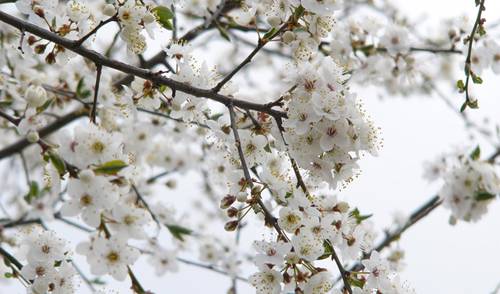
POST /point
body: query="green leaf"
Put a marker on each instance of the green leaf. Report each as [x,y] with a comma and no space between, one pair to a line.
[58,163]
[328,250]
[223,32]
[8,275]
[477,79]
[483,196]
[33,192]
[356,282]
[476,154]
[299,11]
[359,217]
[216,116]
[178,232]
[270,34]
[97,281]
[461,85]
[81,91]
[163,16]
[472,104]
[111,167]
[44,106]
[463,107]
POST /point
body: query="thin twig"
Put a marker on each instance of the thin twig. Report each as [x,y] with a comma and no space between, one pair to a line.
[156,78]
[468,65]
[43,132]
[93,112]
[93,31]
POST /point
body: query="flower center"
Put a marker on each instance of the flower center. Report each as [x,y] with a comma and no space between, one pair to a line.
[86,200]
[98,147]
[113,256]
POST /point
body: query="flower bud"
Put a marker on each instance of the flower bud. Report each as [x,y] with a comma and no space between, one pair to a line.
[50,58]
[39,11]
[231,226]
[288,37]
[39,49]
[109,10]
[343,206]
[31,40]
[172,184]
[35,96]
[32,136]
[148,18]
[86,175]
[452,221]
[274,21]
[232,212]
[227,201]
[242,196]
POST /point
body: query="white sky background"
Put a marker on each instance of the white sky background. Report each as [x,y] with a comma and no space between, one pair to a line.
[440,258]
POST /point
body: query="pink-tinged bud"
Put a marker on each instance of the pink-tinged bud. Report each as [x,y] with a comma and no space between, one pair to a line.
[227,201]
[231,226]
[31,40]
[50,58]
[232,212]
[39,11]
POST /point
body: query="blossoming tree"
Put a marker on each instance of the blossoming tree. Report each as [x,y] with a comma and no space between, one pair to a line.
[256,99]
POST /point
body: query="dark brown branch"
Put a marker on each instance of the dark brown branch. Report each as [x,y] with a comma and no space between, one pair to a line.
[248,59]
[10,118]
[139,72]
[93,31]
[43,132]
[343,273]
[414,217]
[93,112]
[160,57]
[270,219]
[10,258]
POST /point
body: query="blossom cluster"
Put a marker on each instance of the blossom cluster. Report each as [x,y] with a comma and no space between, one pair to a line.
[327,138]
[286,160]
[48,263]
[470,184]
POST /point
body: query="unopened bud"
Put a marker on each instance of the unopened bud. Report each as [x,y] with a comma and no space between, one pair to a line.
[32,136]
[242,196]
[172,184]
[31,40]
[35,96]
[232,212]
[288,37]
[231,226]
[39,11]
[148,18]
[86,175]
[343,207]
[274,21]
[453,220]
[227,201]
[109,10]
[39,49]
[51,58]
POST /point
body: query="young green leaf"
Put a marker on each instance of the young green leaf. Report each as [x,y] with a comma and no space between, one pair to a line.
[111,167]
[163,16]
[178,232]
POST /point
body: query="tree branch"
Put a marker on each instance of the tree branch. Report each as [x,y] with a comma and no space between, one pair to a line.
[93,112]
[139,72]
[43,132]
